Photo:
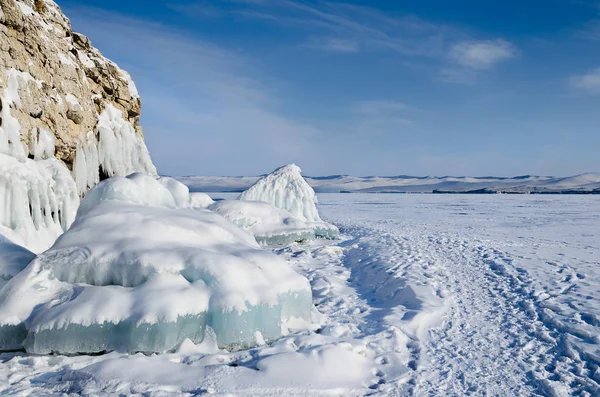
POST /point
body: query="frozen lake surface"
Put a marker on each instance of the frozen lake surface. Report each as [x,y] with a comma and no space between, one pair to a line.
[423,295]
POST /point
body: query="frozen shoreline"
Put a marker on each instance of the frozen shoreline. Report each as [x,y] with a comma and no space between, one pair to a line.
[423,294]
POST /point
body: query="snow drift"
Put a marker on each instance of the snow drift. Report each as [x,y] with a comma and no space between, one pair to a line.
[138,272]
[286,189]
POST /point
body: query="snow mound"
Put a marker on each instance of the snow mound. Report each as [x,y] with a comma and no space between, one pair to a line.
[139,189]
[141,275]
[200,200]
[39,202]
[267,223]
[286,189]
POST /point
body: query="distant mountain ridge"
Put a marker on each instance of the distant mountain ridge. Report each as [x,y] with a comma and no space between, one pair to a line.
[587,183]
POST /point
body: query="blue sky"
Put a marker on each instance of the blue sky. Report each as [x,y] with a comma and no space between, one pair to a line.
[239,87]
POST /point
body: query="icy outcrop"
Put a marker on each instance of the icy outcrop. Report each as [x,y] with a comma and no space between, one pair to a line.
[138,273]
[60,97]
[285,188]
[200,200]
[267,223]
[39,201]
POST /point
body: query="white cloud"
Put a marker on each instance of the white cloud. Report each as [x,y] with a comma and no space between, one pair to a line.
[482,55]
[589,82]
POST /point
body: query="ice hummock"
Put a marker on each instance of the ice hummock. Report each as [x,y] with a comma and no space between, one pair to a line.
[285,188]
[267,223]
[139,273]
[200,200]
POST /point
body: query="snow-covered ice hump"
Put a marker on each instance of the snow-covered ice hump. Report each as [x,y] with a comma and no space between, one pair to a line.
[285,188]
[138,272]
[267,223]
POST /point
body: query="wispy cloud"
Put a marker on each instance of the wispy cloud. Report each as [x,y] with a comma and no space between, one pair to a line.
[379,107]
[347,28]
[482,55]
[587,83]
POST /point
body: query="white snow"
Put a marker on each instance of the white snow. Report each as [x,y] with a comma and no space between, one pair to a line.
[422,295]
[66,60]
[136,188]
[136,264]
[39,201]
[130,84]
[25,9]
[180,192]
[121,150]
[114,149]
[73,102]
[267,223]
[85,60]
[41,144]
[200,200]
[408,184]
[286,189]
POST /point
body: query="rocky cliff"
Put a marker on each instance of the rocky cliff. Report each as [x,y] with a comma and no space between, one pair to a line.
[68,118]
[54,83]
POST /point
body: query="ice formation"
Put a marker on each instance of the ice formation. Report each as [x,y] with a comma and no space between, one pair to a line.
[267,223]
[115,149]
[137,272]
[285,188]
[200,200]
[39,202]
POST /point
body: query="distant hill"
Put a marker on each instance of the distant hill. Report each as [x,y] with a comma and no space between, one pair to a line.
[584,183]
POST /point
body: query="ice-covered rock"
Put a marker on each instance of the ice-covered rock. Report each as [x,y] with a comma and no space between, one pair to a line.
[200,200]
[39,201]
[285,188]
[143,275]
[60,97]
[267,223]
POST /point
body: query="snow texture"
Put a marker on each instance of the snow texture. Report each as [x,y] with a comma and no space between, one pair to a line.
[200,200]
[422,295]
[140,273]
[286,189]
[267,223]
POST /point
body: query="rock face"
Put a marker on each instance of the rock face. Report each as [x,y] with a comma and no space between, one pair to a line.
[53,80]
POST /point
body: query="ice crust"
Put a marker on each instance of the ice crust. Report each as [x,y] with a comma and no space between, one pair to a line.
[139,272]
[267,223]
[286,189]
